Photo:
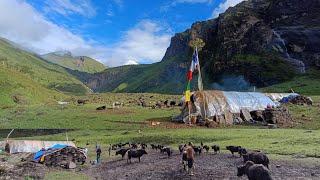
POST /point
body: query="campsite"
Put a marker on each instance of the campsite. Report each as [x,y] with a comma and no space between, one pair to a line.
[171,89]
[288,147]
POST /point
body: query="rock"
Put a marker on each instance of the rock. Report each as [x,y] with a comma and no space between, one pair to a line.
[278,166]
[272,126]
[297,49]
[245,115]
[301,100]
[71,165]
[279,116]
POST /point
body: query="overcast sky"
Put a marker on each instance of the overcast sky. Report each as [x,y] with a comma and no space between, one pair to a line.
[115,32]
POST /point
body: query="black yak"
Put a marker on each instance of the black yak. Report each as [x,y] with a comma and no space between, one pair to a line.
[122,152]
[135,154]
[254,171]
[216,148]
[233,149]
[197,149]
[101,108]
[257,158]
[166,150]
[242,151]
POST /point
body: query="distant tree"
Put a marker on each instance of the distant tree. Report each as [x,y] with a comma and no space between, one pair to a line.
[197,42]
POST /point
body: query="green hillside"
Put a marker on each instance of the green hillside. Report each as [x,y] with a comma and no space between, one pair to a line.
[27,79]
[65,59]
[164,77]
[18,88]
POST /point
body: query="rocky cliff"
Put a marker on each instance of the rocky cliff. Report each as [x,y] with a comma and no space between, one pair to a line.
[262,41]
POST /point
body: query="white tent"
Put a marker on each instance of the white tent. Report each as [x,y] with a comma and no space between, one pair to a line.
[216,103]
[25,146]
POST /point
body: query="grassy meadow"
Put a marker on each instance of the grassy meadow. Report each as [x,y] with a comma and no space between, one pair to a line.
[133,124]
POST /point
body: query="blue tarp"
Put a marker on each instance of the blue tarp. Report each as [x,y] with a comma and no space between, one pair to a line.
[287,99]
[37,156]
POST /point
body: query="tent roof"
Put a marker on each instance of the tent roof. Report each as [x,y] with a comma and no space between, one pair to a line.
[222,102]
[19,146]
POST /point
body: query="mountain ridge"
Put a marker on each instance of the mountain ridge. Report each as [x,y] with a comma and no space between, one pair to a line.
[80,63]
[25,78]
[266,41]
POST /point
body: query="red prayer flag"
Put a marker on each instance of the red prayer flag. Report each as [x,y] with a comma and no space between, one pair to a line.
[189,75]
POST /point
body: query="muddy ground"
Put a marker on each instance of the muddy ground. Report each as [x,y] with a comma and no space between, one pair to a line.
[208,166]
[158,166]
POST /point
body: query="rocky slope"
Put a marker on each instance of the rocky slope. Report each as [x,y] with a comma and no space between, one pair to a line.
[259,42]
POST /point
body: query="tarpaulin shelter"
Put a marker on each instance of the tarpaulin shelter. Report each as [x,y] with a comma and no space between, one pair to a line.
[216,103]
[39,154]
[26,146]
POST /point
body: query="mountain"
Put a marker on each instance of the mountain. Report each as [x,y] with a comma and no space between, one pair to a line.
[81,63]
[256,43]
[26,78]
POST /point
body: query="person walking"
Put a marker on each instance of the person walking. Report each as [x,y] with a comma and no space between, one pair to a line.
[98,152]
[190,158]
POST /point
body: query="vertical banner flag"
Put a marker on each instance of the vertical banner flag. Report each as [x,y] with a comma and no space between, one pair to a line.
[195,60]
[188,93]
[194,65]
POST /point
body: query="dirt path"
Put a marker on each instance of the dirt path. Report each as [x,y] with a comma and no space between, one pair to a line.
[208,166]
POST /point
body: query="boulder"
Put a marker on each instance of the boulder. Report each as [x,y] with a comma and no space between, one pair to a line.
[71,165]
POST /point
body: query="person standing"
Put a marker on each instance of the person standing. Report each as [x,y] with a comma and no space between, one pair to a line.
[109,149]
[98,152]
[190,158]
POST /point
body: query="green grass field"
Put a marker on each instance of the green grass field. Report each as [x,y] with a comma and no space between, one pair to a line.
[131,124]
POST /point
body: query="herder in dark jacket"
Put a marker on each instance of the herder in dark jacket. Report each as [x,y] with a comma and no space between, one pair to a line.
[98,151]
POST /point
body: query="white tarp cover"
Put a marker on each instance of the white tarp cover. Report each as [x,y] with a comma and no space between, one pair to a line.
[25,146]
[251,101]
[211,103]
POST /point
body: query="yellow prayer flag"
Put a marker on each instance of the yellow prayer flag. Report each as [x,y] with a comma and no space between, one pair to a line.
[188,95]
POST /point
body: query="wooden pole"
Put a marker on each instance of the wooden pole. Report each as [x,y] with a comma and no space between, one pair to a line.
[9,135]
[189,112]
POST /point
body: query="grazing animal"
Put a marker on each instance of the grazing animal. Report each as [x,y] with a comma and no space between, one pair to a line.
[166,150]
[133,145]
[206,148]
[254,171]
[135,154]
[101,108]
[166,102]
[216,148]
[242,151]
[81,101]
[257,158]
[181,147]
[143,146]
[122,152]
[153,146]
[172,103]
[233,149]
[159,147]
[197,149]
[184,160]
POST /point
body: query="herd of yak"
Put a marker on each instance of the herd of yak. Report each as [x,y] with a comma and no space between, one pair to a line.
[256,163]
